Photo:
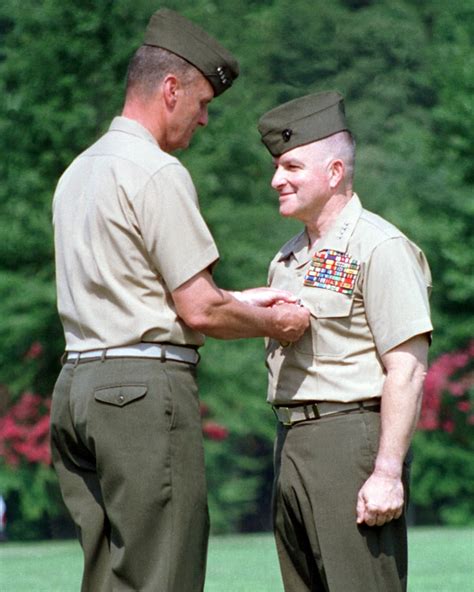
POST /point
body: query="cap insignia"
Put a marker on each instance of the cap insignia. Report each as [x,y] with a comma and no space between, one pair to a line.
[286,134]
[222,75]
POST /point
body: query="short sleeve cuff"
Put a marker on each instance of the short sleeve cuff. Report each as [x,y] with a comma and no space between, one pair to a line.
[408,332]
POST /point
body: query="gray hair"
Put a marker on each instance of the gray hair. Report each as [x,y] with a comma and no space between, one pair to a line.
[340,146]
[149,66]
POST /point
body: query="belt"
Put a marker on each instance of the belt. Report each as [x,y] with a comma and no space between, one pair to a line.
[159,351]
[295,413]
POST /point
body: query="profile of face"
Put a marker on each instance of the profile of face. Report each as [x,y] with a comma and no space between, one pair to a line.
[190,111]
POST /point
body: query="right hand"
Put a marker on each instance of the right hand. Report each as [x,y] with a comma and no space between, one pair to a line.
[290,322]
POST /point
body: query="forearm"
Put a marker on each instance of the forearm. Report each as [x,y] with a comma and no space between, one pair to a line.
[231,317]
[206,308]
[381,498]
[400,407]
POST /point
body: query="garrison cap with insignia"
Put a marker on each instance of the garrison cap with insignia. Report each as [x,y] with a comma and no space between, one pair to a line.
[169,30]
[302,121]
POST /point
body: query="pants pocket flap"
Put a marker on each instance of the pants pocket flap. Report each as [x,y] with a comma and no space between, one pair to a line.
[120,395]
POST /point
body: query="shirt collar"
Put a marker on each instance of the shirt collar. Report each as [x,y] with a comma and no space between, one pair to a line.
[336,238]
[297,246]
[340,232]
[132,127]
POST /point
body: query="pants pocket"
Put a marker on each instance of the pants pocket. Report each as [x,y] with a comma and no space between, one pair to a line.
[120,395]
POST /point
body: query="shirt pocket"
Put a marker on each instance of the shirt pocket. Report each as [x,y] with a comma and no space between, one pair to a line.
[121,395]
[330,330]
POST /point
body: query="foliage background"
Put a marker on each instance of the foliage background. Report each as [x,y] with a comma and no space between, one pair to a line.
[407,71]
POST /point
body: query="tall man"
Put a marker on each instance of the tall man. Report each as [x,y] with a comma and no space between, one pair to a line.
[347,394]
[135,295]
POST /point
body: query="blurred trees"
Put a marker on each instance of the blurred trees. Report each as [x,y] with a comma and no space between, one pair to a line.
[407,72]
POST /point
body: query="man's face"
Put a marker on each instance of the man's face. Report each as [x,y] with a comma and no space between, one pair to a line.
[302,181]
[190,112]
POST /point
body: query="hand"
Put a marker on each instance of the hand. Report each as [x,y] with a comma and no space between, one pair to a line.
[380,500]
[290,322]
[264,296]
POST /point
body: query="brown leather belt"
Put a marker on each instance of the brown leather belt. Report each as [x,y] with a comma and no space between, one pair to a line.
[289,415]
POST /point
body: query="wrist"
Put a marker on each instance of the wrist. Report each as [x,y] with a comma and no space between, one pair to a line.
[388,467]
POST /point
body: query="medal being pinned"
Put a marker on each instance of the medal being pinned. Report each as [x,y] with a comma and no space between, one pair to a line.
[332,270]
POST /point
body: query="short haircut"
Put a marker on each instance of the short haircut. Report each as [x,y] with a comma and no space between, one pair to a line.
[340,146]
[149,66]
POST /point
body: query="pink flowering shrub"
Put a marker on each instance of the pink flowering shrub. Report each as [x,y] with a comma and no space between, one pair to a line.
[448,393]
[443,467]
[214,431]
[35,351]
[24,431]
[211,429]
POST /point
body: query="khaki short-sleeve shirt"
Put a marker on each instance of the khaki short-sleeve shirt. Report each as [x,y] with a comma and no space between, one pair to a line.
[366,286]
[128,231]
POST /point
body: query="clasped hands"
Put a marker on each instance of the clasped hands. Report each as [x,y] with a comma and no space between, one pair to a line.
[291,318]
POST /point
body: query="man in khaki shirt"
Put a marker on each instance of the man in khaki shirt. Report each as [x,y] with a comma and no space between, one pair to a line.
[136,296]
[348,392]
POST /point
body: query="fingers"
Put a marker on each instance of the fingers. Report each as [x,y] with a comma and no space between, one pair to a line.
[379,502]
[284,296]
[291,321]
[397,514]
[381,519]
[299,324]
[360,509]
[372,517]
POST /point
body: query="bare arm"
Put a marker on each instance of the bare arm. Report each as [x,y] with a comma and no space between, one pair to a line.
[381,497]
[217,313]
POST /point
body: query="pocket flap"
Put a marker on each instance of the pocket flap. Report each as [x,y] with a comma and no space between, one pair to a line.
[326,303]
[120,395]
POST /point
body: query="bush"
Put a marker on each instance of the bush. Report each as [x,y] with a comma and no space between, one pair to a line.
[443,472]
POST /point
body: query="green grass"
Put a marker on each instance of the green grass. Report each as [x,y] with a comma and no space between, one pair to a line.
[441,560]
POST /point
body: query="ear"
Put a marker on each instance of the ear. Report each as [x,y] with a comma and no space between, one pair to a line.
[170,86]
[337,173]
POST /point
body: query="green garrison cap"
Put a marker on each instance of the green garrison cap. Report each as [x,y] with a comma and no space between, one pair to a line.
[302,121]
[169,30]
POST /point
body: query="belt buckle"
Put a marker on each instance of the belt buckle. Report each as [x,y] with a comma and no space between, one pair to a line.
[286,411]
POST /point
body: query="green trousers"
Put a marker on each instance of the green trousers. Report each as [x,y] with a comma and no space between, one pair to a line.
[127,447]
[319,468]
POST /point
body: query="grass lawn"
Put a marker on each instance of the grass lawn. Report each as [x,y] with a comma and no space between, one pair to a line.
[441,560]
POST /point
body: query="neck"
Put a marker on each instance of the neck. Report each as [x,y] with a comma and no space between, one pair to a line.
[150,118]
[322,221]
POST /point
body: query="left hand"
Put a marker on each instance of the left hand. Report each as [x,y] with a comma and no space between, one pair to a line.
[265,296]
[380,500]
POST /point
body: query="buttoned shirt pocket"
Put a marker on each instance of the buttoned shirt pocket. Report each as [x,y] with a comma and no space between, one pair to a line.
[121,395]
[329,334]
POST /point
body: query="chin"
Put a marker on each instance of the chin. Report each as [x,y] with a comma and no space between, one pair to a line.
[180,146]
[285,213]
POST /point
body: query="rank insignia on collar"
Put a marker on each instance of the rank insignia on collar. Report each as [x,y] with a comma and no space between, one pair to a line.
[332,270]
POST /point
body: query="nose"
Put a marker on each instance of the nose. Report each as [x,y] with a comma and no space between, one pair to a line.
[278,179]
